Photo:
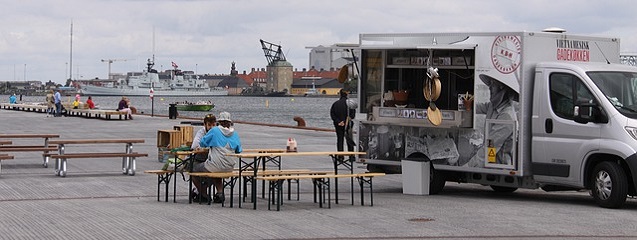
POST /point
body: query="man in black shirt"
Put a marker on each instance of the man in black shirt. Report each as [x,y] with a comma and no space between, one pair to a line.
[342,117]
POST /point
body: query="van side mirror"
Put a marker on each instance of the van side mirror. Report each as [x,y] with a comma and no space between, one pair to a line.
[585,111]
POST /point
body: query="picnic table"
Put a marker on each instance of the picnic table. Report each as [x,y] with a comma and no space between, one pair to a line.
[250,161]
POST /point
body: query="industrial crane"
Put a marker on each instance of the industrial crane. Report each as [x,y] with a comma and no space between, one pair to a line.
[273,52]
[109,61]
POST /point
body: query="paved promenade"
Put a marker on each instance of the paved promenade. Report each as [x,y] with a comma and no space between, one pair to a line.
[95,201]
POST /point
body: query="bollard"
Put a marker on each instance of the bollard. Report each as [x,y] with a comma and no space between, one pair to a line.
[300,122]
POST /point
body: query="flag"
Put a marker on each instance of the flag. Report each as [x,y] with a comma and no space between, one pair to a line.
[174,64]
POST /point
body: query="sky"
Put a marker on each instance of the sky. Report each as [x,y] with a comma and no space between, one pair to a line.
[207,36]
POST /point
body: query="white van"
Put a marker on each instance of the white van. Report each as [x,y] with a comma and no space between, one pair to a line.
[505,109]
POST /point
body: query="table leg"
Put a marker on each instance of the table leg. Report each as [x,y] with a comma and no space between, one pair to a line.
[255,167]
[349,164]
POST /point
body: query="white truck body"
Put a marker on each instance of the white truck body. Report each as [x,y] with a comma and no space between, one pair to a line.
[561,106]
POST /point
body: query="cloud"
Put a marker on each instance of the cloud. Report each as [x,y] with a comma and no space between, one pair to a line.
[209,35]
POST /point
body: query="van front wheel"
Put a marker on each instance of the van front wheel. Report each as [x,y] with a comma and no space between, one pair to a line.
[610,185]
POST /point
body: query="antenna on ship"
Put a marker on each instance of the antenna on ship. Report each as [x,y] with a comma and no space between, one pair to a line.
[153,60]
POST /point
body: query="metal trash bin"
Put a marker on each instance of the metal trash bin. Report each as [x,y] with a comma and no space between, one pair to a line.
[415,176]
[172,111]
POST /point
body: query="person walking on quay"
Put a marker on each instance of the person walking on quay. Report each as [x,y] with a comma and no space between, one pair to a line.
[221,140]
[50,103]
[124,106]
[57,99]
[342,116]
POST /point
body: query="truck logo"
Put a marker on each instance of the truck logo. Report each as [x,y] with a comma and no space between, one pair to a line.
[505,53]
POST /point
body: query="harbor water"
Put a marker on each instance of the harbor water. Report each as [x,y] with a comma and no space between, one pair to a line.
[275,110]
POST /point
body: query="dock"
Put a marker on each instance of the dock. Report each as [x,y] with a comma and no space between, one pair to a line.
[96,201]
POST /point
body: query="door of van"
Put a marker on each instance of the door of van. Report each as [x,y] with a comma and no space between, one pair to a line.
[559,144]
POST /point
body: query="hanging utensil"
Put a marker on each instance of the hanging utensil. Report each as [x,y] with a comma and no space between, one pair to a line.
[434,115]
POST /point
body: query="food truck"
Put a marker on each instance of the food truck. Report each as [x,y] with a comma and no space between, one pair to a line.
[508,110]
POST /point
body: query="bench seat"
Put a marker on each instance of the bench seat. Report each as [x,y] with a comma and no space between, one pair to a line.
[27,149]
[60,160]
[322,182]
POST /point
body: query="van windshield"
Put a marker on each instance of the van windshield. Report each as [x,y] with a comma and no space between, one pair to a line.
[620,88]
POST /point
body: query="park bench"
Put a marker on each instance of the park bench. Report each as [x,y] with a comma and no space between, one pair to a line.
[45,148]
[128,156]
[321,182]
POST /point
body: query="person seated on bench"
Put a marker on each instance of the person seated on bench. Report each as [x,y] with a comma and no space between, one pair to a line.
[124,106]
[90,103]
[209,121]
[221,140]
[76,103]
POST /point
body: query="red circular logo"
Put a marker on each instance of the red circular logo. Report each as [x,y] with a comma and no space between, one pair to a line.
[505,53]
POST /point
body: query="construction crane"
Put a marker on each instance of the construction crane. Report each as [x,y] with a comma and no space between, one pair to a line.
[273,52]
[110,61]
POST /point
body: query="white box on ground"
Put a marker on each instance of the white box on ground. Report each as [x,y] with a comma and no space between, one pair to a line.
[415,177]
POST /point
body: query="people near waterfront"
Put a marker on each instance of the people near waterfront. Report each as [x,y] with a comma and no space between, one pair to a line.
[57,99]
[90,103]
[76,103]
[13,99]
[342,116]
[209,121]
[124,106]
[220,140]
[50,103]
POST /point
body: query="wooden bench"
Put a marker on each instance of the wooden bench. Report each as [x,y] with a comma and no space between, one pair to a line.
[322,183]
[29,107]
[44,148]
[128,156]
[97,113]
[230,178]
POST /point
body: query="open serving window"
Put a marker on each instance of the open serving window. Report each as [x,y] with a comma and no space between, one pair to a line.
[394,84]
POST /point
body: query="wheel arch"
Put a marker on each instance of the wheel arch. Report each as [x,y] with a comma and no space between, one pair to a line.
[629,165]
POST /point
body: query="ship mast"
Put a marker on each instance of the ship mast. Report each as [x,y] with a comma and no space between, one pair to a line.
[71,54]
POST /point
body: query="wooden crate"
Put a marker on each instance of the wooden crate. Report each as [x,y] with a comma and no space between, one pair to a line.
[187,134]
[169,138]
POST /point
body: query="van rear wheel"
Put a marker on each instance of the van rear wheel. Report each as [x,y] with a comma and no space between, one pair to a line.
[610,185]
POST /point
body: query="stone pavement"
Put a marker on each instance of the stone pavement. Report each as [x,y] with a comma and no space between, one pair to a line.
[95,201]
